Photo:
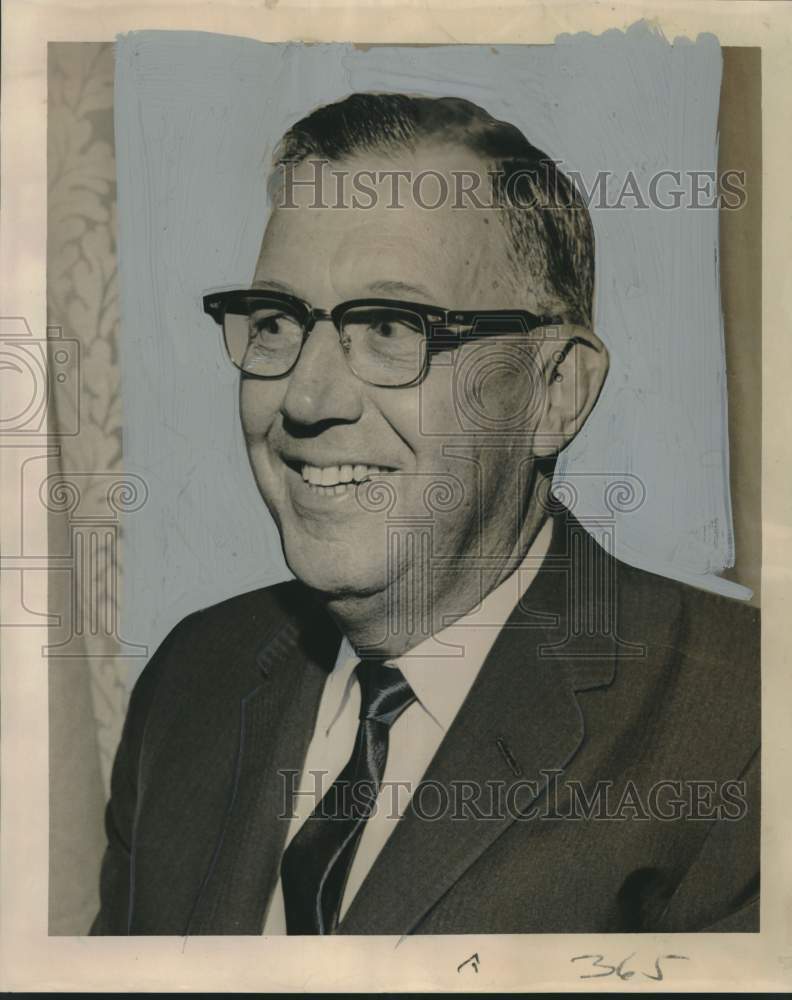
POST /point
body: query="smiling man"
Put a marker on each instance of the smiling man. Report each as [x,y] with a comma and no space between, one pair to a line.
[368,400]
[463,715]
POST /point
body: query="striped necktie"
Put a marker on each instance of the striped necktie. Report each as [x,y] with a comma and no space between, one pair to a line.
[317,862]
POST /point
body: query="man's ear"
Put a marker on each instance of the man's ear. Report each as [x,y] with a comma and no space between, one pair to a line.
[574,367]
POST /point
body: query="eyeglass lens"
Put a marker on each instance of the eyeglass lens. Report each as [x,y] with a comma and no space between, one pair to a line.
[383,345]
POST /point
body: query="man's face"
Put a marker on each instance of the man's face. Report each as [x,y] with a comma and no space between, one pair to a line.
[322,422]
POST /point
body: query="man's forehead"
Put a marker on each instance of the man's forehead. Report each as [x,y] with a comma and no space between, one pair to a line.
[421,191]
[347,254]
[395,174]
[343,234]
[388,228]
[411,197]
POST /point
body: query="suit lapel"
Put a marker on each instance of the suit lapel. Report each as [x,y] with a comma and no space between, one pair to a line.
[520,722]
[277,718]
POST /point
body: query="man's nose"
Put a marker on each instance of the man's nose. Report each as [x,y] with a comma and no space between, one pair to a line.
[321,385]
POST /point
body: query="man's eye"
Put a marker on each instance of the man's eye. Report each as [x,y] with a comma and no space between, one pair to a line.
[392,327]
[270,324]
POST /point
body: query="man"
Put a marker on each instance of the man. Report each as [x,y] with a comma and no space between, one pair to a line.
[463,715]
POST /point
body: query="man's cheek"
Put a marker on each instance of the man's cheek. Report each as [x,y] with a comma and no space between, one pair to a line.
[265,469]
[258,407]
[498,387]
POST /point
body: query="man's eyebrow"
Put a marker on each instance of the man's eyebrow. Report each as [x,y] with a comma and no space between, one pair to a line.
[401,288]
[385,287]
[271,285]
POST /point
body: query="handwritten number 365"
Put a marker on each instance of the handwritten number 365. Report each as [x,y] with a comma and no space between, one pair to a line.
[597,962]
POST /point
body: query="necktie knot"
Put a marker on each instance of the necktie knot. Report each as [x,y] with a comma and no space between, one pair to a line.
[384,691]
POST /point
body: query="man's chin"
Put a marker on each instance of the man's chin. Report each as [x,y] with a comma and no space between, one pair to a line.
[333,578]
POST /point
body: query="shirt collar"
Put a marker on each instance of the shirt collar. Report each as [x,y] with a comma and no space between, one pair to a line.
[442,668]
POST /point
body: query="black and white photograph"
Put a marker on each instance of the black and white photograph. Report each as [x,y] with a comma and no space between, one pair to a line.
[396,426]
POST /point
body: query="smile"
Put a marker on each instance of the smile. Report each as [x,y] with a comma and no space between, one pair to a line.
[336,479]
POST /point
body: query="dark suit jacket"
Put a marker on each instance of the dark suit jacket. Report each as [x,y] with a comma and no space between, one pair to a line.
[606,681]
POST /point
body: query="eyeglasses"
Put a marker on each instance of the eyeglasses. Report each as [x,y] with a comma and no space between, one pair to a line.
[386,342]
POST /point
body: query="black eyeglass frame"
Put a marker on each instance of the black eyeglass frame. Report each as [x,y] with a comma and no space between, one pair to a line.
[443,329]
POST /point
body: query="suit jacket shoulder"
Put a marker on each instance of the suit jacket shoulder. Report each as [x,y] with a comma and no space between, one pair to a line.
[713,647]
[175,750]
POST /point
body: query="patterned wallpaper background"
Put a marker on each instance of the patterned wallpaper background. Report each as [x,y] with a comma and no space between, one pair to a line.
[85,488]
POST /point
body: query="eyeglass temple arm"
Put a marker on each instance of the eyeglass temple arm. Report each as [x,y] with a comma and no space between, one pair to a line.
[459,327]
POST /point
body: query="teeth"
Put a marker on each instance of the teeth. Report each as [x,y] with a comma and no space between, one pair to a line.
[337,476]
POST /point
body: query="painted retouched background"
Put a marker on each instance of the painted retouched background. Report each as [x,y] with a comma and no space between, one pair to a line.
[197,117]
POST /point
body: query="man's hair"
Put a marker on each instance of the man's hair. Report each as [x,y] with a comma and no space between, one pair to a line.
[548,225]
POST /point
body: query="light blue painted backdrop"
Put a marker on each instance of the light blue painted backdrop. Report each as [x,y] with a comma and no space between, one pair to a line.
[197,116]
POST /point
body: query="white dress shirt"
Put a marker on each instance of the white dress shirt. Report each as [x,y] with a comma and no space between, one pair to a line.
[440,670]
